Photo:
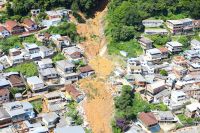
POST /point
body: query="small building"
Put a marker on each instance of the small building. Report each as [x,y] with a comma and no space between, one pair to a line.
[19,111]
[30,25]
[146,43]
[152,23]
[191,54]
[45,63]
[4,83]
[46,52]
[174,47]
[69,129]
[62,13]
[48,73]
[155,87]
[196,24]
[44,38]
[86,71]
[5,119]
[193,110]
[51,22]
[67,72]
[149,121]
[4,32]
[13,27]
[153,54]
[74,93]
[15,79]
[164,52]
[36,84]
[156,31]
[73,53]
[4,95]
[139,80]
[195,44]
[165,117]
[50,119]
[33,50]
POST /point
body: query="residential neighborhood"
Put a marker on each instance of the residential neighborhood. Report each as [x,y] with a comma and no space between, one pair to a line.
[99,67]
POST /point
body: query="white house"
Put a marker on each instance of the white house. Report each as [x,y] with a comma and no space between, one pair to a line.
[46,52]
[156,31]
[45,63]
[174,47]
[4,32]
[153,54]
[195,44]
[36,84]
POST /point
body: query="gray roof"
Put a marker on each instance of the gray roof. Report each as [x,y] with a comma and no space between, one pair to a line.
[165,114]
[195,42]
[3,114]
[69,129]
[175,44]
[44,48]
[71,50]
[50,117]
[4,82]
[139,77]
[64,64]
[48,71]
[34,80]
[145,40]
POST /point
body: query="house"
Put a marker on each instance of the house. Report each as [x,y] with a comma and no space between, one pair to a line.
[4,83]
[180,26]
[165,117]
[194,66]
[174,47]
[33,50]
[50,119]
[67,72]
[74,93]
[179,60]
[19,111]
[5,119]
[61,42]
[134,70]
[69,129]
[160,96]
[193,110]
[192,91]
[55,101]
[13,27]
[178,99]
[164,52]
[179,71]
[152,23]
[36,84]
[191,54]
[4,62]
[44,38]
[155,87]
[73,53]
[46,52]
[4,32]
[156,31]
[4,95]
[149,121]
[15,79]
[139,80]
[48,73]
[15,56]
[86,71]
[153,54]
[45,63]
[195,44]
[30,25]
[146,43]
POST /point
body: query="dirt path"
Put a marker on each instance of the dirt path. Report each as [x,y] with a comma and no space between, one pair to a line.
[99,103]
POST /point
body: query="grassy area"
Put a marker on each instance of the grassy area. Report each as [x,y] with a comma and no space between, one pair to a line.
[58,57]
[28,69]
[32,39]
[131,47]
[37,105]
[185,120]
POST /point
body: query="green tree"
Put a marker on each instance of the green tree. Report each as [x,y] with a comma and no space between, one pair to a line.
[163,72]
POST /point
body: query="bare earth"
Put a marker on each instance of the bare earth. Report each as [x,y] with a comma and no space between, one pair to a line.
[99,103]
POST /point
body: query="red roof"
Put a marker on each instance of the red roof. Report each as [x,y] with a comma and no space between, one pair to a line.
[10,24]
[2,28]
[147,118]
[4,91]
[163,49]
[86,69]
[72,91]
[28,22]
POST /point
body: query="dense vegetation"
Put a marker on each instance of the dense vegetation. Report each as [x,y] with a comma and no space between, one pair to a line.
[28,69]
[125,17]
[128,105]
[23,7]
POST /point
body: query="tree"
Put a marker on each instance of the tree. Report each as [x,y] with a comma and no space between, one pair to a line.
[163,72]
